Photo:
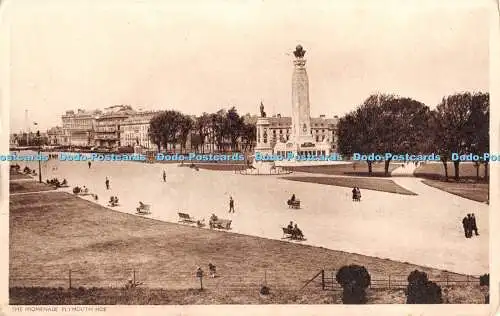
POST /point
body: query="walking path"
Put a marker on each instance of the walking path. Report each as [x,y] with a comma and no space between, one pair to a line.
[407,170]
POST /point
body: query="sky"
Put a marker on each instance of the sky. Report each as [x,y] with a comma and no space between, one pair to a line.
[200,56]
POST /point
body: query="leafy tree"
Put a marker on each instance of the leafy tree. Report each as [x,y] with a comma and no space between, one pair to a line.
[233,127]
[402,125]
[202,126]
[461,126]
[185,125]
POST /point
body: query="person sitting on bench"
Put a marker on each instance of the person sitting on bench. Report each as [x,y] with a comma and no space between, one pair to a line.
[297,232]
[116,200]
[214,218]
[290,226]
[292,199]
[64,182]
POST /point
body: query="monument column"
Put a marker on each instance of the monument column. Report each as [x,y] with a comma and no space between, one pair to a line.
[301,117]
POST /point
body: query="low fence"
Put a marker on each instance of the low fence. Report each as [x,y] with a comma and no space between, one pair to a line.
[324,280]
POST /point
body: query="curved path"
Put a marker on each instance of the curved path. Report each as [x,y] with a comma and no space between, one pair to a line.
[424,229]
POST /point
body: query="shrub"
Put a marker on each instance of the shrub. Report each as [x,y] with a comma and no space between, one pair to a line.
[484,280]
[354,280]
[264,290]
[422,291]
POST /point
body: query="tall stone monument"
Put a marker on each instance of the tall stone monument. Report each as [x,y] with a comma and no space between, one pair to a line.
[301,117]
[301,140]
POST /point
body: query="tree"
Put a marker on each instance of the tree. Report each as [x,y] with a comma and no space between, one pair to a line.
[155,129]
[461,126]
[248,136]
[401,126]
[185,126]
[234,124]
[202,126]
[357,131]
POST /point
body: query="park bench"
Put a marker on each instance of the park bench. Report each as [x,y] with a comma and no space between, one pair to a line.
[294,204]
[220,223]
[143,209]
[290,233]
[185,218]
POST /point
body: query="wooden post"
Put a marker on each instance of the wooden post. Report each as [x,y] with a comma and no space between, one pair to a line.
[134,278]
[447,280]
[201,282]
[389,281]
[70,278]
[265,277]
[323,278]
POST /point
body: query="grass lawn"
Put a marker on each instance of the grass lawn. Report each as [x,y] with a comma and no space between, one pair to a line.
[51,234]
[354,169]
[436,171]
[468,186]
[18,176]
[384,185]
[473,191]
[28,186]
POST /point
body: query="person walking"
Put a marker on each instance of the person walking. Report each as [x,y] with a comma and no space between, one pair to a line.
[465,224]
[473,225]
[231,204]
[90,164]
[107,183]
[164,176]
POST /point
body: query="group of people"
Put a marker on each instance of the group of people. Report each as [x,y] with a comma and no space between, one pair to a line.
[356,194]
[211,268]
[55,182]
[470,225]
[295,231]
[113,201]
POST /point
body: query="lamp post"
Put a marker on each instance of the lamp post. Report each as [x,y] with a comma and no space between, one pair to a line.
[39,156]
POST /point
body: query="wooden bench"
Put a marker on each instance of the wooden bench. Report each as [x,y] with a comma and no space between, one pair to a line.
[143,209]
[185,218]
[294,204]
[220,223]
[290,233]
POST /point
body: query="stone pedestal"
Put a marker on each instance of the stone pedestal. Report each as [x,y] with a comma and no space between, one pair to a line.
[263,145]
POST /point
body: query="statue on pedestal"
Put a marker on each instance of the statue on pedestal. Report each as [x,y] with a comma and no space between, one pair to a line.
[262,113]
[299,51]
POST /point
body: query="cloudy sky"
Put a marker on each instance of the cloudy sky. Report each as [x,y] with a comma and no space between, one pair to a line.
[197,56]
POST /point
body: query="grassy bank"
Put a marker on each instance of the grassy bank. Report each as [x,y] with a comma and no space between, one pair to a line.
[51,234]
[384,185]
[357,168]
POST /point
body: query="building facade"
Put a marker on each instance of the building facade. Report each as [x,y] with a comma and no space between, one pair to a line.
[280,129]
[77,128]
[55,136]
[134,131]
[107,126]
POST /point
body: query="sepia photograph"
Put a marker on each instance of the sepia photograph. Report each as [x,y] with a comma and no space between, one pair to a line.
[247,153]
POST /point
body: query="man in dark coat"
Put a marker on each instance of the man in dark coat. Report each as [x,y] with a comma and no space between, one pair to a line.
[473,224]
[465,223]
[469,225]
